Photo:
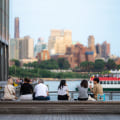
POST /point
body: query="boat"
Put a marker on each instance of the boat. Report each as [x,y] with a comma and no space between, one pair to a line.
[109,82]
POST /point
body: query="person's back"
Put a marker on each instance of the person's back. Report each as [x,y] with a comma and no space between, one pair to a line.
[83,89]
[9,91]
[97,89]
[26,90]
[40,90]
[63,92]
[83,92]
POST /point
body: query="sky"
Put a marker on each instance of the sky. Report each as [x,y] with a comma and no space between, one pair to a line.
[100,18]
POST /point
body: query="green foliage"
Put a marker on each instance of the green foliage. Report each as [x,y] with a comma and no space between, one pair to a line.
[99,65]
[87,66]
[17,62]
[63,63]
[42,73]
[111,64]
[118,67]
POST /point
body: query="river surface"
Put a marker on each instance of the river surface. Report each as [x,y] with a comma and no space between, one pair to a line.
[53,85]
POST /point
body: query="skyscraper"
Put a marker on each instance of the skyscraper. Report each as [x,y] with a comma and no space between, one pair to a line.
[98,50]
[59,40]
[105,49]
[4,38]
[41,45]
[21,48]
[14,49]
[91,44]
[16,28]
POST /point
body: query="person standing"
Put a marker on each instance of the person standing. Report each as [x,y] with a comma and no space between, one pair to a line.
[26,90]
[9,90]
[41,91]
[97,89]
[63,92]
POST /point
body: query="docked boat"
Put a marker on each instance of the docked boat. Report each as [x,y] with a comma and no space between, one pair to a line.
[110,82]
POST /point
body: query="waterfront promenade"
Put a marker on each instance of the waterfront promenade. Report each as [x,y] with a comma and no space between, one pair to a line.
[61,117]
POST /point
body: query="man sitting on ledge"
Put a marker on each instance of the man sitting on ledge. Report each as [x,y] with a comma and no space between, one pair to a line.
[97,89]
[41,91]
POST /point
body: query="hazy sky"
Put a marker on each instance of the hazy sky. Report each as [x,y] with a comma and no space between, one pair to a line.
[100,18]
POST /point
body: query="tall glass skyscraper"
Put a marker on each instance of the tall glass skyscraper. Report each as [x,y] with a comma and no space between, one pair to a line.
[4,38]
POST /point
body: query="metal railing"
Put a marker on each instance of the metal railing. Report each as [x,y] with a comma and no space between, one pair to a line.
[109,95]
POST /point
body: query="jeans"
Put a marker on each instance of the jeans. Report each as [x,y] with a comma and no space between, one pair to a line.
[42,98]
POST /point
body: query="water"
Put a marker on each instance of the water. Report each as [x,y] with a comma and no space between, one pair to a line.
[53,85]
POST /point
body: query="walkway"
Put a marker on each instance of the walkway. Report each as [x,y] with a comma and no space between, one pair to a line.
[60,117]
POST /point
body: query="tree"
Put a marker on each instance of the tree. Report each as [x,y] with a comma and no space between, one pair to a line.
[99,65]
[118,67]
[17,62]
[87,66]
[63,63]
[110,64]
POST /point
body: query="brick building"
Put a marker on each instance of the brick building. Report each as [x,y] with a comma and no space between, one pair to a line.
[79,53]
[43,55]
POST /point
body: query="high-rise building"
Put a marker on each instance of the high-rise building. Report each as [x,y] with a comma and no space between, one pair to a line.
[26,48]
[16,28]
[98,50]
[59,41]
[14,49]
[91,44]
[4,38]
[21,48]
[105,49]
[41,45]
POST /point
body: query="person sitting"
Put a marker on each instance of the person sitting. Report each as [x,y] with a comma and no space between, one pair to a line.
[83,90]
[97,89]
[9,90]
[41,91]
[63,92]
[26,90]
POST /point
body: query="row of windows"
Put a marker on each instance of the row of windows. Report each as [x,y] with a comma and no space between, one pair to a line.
[109,82]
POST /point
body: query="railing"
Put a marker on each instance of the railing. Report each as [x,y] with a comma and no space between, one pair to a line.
[110,95]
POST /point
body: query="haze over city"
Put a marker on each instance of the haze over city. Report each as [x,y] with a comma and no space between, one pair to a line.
[83,17]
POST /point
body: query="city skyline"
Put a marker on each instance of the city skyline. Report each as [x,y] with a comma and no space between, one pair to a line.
[99,19]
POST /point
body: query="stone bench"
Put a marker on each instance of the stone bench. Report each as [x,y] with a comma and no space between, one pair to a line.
[59,107]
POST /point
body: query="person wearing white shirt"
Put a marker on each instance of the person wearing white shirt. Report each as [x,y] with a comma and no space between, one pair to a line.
[63,92]
[41,91]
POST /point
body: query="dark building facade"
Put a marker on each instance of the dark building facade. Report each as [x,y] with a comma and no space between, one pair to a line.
[17,28]
[4,38]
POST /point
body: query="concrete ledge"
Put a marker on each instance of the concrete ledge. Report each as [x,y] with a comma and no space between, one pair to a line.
[59,107]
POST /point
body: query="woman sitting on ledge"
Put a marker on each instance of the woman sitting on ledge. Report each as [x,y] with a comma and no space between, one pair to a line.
[63,92]
[83,90]
[26,90]
[9,91]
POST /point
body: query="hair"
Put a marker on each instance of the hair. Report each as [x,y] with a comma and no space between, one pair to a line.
[10,80]
[40,81]
[27,80]
[84,83]
[62,83]
[96,79]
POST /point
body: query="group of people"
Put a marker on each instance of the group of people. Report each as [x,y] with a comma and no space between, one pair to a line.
[40,91]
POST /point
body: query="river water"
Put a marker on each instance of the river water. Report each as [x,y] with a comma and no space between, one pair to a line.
[53,86]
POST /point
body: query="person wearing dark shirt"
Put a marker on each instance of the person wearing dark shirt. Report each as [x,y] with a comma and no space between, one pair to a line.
[26,90]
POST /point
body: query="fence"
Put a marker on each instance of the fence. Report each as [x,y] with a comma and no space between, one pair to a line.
[109,96]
